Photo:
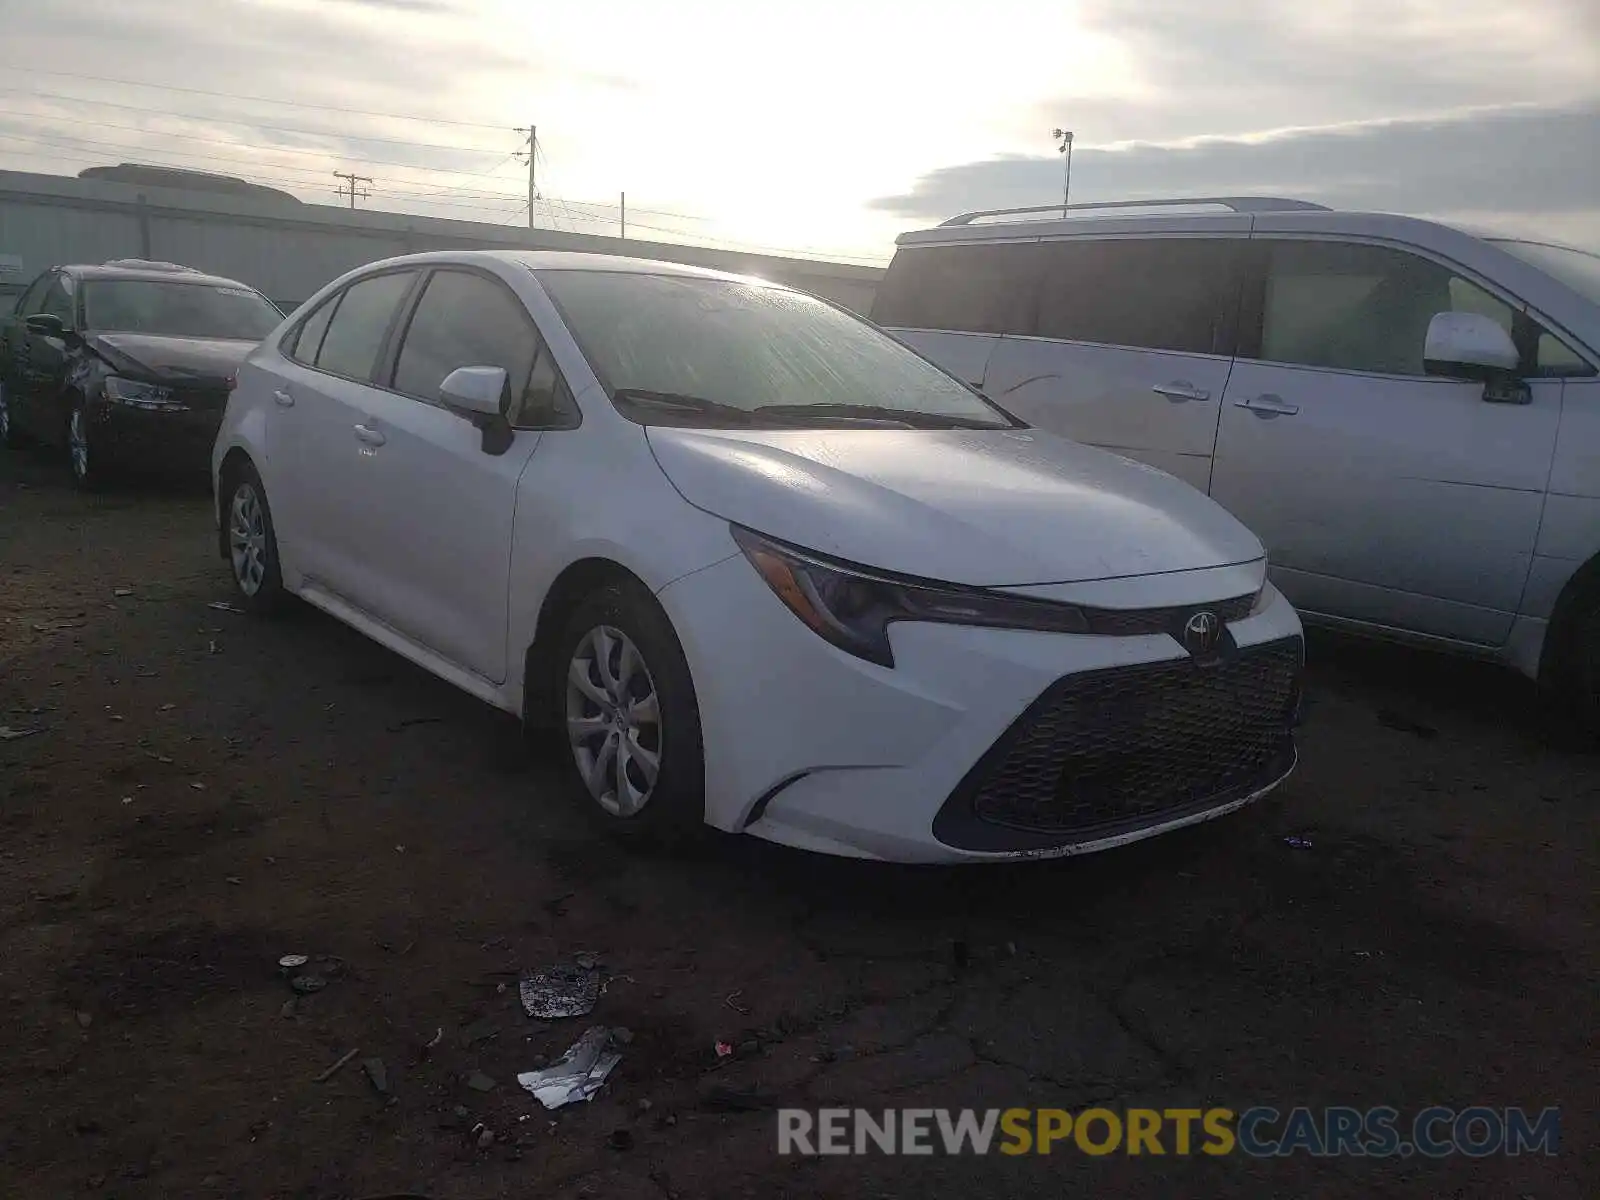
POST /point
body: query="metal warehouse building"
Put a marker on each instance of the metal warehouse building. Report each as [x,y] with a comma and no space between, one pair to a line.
[288,250]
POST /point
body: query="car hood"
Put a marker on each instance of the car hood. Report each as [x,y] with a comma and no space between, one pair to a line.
[171,360]
[992,508]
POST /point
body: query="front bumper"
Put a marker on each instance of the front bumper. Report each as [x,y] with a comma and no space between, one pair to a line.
[177,440]
[811,747]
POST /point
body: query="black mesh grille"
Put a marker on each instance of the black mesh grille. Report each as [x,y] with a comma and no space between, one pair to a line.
[1129,622]
[1117,750]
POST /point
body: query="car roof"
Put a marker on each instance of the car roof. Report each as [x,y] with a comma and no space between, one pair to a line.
[152,274]
[559,260]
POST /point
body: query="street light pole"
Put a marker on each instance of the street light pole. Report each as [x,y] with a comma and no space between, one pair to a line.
[1065,138]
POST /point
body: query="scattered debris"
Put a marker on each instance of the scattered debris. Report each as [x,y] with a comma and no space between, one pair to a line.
[308,983]
[198,786]
[733,1002]
[622,1036]
[576,1075]
[586,959]
[127,799]
[167,708]
[122,591]
[213,648]
[479,1082]
[724,1050]
[438,1036]
[85,1020]
[293,962]
[377,1074]
[620,1139]
[645,1104]
[485,1136]
[410,721]
[290,1007]
[57,626]
[223,606]
[8,734]
[344,1060]
[1390,719]
[560,991]
[1011,949]
[1297,843]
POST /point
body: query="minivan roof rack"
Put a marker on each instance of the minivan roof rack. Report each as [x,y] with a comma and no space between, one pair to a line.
[1238,204]
[146,264]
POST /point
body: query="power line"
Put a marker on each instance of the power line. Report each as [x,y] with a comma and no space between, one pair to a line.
[167,112]
[168,87]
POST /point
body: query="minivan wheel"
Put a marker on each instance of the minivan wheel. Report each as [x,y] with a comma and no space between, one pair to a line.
[627,708]
[252,544]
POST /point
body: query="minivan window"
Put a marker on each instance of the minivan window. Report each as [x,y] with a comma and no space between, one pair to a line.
[1177,294]
[355,336]
[706,351]
[967,289]
[1357,307]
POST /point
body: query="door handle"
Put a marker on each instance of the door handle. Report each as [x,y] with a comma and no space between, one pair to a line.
[1268,405]
[283,399]
[369,435]
[1180,390]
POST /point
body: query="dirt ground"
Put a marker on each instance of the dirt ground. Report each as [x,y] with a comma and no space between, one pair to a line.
[207,792]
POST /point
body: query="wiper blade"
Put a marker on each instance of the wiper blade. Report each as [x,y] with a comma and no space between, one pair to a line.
[875,414]
[681,404]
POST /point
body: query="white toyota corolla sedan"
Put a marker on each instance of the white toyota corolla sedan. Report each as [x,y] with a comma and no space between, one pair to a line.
[763,566]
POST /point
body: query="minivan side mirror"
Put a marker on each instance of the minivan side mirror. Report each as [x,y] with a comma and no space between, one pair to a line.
[48,324]
[1463,345]
[475,391]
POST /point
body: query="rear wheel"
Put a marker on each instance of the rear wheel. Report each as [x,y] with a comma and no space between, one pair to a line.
[1584,647]
[628,710]
[252,543]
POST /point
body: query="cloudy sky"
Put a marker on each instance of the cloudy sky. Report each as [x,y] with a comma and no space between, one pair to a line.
[825,126]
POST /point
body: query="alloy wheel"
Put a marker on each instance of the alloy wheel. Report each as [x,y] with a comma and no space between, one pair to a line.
[247,539]
[613,721]
[78,443]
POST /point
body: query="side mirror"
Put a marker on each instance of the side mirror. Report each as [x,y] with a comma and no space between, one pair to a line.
[1472,346]
[48,324]
[475,391]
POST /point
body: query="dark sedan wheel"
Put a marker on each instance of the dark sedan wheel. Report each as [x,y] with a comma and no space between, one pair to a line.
[9,435]
[252,544]
[83,453]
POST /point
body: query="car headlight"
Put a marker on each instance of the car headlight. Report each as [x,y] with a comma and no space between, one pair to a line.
[853,607]
[139,395]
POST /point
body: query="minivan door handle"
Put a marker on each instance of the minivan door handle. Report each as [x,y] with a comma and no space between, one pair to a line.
[1268,405]
[1180,390]
[369,435]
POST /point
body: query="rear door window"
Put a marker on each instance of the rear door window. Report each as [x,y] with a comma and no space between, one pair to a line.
[964,289]
[356,334]
[307,340]
[1177,294]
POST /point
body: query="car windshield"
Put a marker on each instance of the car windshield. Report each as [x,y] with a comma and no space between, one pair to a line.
[1578,269]
[682,350]
[172,309]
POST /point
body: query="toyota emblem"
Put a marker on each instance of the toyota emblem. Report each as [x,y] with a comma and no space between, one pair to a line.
[1200,633]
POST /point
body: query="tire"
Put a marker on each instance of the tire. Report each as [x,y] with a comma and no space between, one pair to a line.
[84,454]
[1583,648]
[252,542]
[617,644]
[10,436]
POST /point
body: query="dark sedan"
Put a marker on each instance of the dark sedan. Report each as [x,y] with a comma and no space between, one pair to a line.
[126,365]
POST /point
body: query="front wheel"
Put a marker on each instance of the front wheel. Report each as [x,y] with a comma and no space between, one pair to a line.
[628,709]
[83,452]
[252,543]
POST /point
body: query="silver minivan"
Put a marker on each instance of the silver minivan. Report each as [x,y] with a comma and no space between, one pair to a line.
[1408,414]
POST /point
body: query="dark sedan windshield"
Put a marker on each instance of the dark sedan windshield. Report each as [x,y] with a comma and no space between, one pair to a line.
[173,309]
[682,350]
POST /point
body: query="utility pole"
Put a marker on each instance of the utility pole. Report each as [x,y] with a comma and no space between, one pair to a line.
[624,214]
[350,186]
[532,153]
[1064,136]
